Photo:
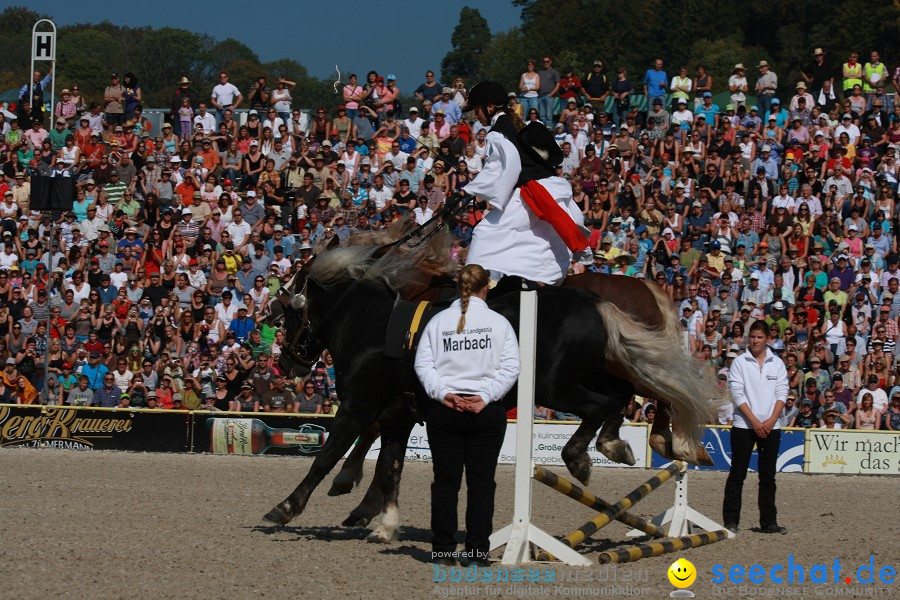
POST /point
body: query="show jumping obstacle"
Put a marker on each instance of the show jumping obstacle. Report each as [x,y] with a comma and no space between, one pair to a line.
[521,534]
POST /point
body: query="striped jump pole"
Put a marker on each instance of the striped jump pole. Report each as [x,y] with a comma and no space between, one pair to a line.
[591,527]
[566,487]
[659,547]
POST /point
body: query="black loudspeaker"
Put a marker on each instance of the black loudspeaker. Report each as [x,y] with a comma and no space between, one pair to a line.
[52,193]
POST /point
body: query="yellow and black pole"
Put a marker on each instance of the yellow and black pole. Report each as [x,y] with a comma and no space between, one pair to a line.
[659,547]
[591,527]
[566,487]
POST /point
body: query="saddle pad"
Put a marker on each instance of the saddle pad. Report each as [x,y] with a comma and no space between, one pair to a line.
[407,321]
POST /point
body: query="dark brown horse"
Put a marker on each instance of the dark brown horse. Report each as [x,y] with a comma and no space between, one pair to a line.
[589,390]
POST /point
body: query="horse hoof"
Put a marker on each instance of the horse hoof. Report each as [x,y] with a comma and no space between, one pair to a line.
[690,452]
[703,458]
[580,467]
[355,520]
[662,445]
[339,489]
[382,535]
[279,515]
[617,451]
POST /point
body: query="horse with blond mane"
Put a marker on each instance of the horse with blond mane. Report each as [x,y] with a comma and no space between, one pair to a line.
[593,356]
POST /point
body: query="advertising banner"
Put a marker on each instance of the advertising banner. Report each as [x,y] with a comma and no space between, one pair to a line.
[259,433]
[853,452]
[549,440]
[717,441]
[77,428]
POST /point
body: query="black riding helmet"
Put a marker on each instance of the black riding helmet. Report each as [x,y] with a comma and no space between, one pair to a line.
[484,93]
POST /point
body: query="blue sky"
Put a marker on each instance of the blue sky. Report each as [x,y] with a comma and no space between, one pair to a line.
[404,38]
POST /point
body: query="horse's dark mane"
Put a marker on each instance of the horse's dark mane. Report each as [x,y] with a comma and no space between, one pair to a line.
[362,259]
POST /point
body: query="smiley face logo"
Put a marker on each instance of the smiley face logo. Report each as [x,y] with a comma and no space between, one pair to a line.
[682,573]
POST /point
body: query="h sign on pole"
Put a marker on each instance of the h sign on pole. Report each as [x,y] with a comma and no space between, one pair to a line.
[43,47]
[521,533]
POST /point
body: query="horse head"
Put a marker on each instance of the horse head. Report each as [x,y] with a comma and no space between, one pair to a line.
[289,310]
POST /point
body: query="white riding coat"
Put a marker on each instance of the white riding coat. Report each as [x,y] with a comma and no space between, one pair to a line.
[510,239]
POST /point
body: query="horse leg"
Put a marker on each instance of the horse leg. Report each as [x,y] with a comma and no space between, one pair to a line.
[575,454]
[348,425]
[372,503]
[611,445]
[394,439]
[686,449]
[594,409]
[608,442]
[670,444]
[660,435]
[351,472]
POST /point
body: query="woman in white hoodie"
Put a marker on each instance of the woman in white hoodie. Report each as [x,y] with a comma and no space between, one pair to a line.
[467,361]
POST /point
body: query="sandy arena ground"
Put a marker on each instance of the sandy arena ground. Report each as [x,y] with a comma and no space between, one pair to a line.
[123,525]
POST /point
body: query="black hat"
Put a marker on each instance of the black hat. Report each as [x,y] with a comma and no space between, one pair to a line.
[484,93]
[538,142]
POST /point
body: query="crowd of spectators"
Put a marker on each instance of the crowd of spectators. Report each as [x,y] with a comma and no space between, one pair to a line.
[776,210]
[156,282]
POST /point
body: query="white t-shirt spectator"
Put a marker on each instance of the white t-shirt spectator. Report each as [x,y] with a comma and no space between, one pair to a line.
[399,159]
[207,121]
[123,380]
[422,214]
[284,265]
[852,132]
[785,202]
[274,125]
[683,116]
[8,260]
[225,93]
[226,314]
[380,197]
[238,232]
[120,280]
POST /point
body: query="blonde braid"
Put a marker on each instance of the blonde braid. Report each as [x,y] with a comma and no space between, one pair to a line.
[471,278]
[464,296]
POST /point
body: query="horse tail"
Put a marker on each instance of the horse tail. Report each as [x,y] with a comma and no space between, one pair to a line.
[655,360]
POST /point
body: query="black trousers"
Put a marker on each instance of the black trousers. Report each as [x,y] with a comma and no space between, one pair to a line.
[464,441]
[742,442]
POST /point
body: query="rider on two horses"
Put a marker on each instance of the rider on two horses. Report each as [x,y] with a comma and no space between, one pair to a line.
[534,227]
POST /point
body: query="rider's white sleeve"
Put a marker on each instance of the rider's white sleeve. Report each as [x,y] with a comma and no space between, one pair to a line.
[500,174]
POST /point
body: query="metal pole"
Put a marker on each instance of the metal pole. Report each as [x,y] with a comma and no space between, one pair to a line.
[518,546]
[31,72]
[49,300]
[52,95]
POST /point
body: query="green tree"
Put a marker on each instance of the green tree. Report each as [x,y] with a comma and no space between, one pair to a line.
[15,45]
[167,55]
[470,39]
[505,59]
